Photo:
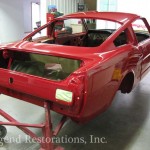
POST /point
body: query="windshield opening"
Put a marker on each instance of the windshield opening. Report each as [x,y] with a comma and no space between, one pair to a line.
[76,32]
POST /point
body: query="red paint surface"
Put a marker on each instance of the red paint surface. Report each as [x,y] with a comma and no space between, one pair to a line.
[93,85]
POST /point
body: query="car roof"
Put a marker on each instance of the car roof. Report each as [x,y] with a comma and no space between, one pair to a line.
[119,17]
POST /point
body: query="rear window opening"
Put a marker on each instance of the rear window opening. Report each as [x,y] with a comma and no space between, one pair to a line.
[45,66]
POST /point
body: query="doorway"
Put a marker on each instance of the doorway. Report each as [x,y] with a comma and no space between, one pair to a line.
[36,19]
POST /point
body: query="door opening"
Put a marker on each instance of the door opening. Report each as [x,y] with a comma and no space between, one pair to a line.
[36,23]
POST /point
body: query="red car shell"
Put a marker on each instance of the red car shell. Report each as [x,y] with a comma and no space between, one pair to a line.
[118,63]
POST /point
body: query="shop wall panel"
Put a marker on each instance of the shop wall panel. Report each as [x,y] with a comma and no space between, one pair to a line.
[11,21]
[65,6]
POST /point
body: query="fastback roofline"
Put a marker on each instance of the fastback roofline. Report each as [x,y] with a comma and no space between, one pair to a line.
[119,17]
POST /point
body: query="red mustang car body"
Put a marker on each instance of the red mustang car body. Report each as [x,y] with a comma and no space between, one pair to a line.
[77,62]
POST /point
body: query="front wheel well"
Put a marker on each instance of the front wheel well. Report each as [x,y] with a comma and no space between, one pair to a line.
[127,83]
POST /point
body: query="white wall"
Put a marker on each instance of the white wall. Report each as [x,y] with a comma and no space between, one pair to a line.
[16,19]
[107,5]
[140,7]
[65,6]
[11,20]
[27,14]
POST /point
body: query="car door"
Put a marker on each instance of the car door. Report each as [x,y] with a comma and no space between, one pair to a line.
[142,33]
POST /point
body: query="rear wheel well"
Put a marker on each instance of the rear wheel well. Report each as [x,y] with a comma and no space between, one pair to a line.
[127,83]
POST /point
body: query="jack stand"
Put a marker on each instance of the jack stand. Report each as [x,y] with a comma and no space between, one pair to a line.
[46,128]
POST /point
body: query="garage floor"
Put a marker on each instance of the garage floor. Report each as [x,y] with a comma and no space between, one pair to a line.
[124,126]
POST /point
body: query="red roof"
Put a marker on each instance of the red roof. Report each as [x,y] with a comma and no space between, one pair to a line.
[113,16]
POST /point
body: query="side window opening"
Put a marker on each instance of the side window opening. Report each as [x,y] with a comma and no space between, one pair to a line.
[43,36]
[140,29]
[121,39]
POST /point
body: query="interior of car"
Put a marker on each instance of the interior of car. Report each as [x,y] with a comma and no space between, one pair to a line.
[45,66]
[92,38]
[83,33]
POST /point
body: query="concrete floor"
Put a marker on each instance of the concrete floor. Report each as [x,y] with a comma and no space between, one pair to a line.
[124,126]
